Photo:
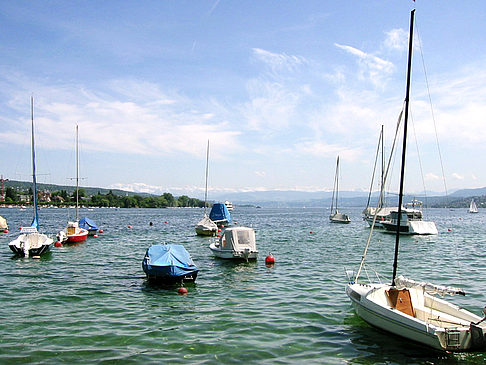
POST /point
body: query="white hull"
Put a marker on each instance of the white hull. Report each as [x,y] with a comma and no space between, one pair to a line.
[31,244]
[233,254]
[446,327]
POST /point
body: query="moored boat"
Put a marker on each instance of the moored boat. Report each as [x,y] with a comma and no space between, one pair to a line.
[237,243]
[89,225]
[336,216]
[220,215]
[31,242]
[169,264]
[405,307]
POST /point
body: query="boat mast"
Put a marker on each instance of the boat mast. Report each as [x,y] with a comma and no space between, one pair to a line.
[206,189]
[35,222]
[382,137]
[77,175]
[404,147]
[334,192]
[337,183]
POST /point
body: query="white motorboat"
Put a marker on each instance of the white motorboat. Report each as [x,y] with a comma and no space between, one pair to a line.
[237,243]
[405,307]
[229,205]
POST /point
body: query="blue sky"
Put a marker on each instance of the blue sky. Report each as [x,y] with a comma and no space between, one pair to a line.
[280,88]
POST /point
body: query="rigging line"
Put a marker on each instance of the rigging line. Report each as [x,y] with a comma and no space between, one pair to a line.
[374,169]
[382,190]
[419,159]
[432,112]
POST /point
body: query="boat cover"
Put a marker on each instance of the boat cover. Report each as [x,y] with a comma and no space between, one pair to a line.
[403,282]
[3,223]
[171,260]
[88,224]
[219,213]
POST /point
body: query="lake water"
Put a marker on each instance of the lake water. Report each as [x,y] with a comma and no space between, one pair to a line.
[90,303]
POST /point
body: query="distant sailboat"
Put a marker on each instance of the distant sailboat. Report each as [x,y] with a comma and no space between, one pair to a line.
[473,207]
[73,233]
[407,307]
[206,227]
[336,216]
[31,242]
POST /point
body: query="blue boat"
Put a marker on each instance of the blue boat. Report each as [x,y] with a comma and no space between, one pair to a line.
[169,264]
[219,214]
[89,225]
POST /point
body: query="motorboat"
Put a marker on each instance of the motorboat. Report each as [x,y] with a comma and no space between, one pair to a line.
[169,264]
[229,205]
[411,223]
[3,224]
[237,243]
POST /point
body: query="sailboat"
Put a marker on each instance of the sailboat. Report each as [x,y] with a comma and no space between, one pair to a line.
[473,207]
[206,227]
[336,216]
[407,307]
[31,242]
[73,233]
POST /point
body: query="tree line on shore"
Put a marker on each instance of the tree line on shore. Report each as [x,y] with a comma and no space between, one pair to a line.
[62,198]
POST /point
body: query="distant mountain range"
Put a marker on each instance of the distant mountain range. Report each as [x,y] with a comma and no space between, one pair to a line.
[289,197]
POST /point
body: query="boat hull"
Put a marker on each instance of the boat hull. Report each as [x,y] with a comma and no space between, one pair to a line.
[412,227]
[31,244]
[233,254]
[166,274]
[387,318]
[205,232]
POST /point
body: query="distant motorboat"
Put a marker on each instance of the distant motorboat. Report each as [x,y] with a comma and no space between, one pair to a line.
[411,221]
[169,264]
[229,205]
[473,207]
[220,215]
[236,243]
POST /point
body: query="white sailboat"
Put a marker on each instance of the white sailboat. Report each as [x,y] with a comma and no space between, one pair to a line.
[73,233]
[31,242]
[473,208]
[206,227]
[406,307]
[336,216]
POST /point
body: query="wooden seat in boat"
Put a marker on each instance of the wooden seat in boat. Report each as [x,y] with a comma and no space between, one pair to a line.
[400,300]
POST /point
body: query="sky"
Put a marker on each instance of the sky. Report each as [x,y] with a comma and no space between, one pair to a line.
[279,88]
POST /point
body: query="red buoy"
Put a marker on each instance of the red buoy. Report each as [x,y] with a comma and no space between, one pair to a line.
[311,232]
[95,236]
[166,222]
[5,231]
[58,244]
[450,229]
[182,291]
[129,226]
[270,260]
[219,229]
[236,222]
[218,235]
[100,231]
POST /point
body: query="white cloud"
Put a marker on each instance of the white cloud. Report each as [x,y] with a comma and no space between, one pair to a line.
[396,40]
[457,176]
[278,62]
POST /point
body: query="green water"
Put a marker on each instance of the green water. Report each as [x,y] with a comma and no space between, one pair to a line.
[90,303]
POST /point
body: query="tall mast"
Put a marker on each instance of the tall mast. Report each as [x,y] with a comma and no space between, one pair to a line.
[404,147]
[337,182]
[206,189]
[77,175]
[382,137]
[35,222]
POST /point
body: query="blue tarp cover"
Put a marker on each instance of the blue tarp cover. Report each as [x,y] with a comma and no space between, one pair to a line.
[168,260]
[88,224]
[219,212]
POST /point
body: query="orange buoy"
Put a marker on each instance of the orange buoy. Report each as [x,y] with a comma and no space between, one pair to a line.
[182,291]
[100,231]
[270,260]
[58,244]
